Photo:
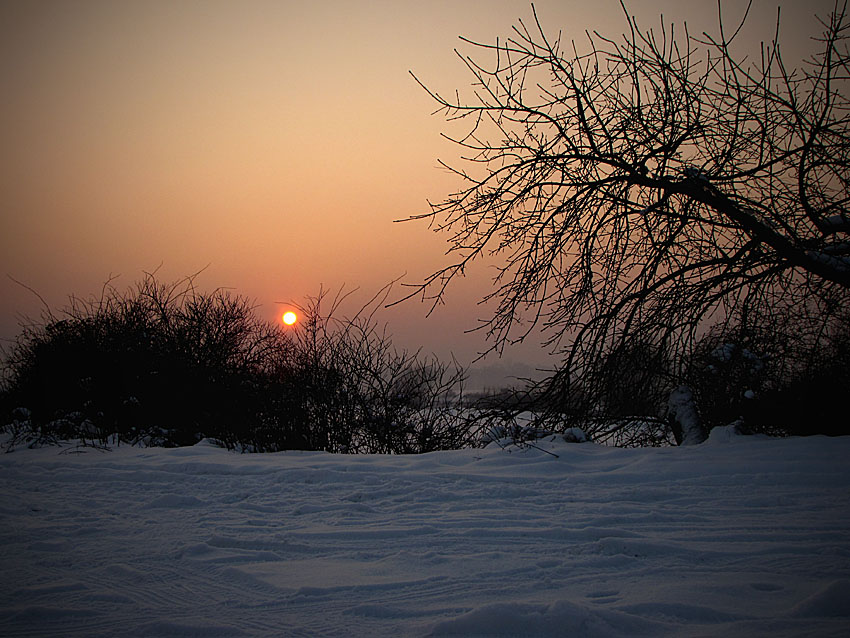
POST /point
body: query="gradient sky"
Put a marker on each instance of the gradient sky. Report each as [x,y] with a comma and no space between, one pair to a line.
[271,142]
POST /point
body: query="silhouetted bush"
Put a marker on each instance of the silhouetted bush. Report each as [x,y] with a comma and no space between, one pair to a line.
[167,365]
[777,370]
[160,364]
[778,375]
[363,395]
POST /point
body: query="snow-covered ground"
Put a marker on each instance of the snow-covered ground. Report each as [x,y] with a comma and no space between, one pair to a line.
[741,536]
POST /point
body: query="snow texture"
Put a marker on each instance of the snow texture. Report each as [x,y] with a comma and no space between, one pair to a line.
[743,536]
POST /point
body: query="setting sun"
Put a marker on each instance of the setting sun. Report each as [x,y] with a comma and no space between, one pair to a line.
[289,318]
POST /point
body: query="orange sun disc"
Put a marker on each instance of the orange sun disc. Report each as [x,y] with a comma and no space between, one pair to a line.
[289,318]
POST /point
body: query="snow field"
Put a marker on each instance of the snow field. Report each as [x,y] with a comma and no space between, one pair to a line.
[741,536]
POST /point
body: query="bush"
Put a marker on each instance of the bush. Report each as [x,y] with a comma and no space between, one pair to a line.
[779,369]
[786,377]
[167,365]
[158,365]
[363,395]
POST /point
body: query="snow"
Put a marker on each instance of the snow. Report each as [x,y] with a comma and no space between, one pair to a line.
[574,435]
[682,407]
[742,536]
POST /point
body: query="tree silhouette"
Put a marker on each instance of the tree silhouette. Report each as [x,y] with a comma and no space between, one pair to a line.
[648,184]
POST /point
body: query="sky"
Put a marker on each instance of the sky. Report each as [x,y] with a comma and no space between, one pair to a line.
[269,144]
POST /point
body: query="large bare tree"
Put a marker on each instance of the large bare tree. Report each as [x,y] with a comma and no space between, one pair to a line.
[642,185]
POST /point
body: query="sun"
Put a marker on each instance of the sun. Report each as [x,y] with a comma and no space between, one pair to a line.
[289,318]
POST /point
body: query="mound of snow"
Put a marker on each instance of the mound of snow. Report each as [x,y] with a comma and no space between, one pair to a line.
[574,435]
[724,434]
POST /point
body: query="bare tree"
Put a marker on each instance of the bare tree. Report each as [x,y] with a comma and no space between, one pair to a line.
[648,183]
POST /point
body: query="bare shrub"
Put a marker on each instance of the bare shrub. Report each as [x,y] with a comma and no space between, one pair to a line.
[164,364]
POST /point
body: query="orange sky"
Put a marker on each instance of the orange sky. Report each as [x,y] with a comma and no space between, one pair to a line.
[274,142]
